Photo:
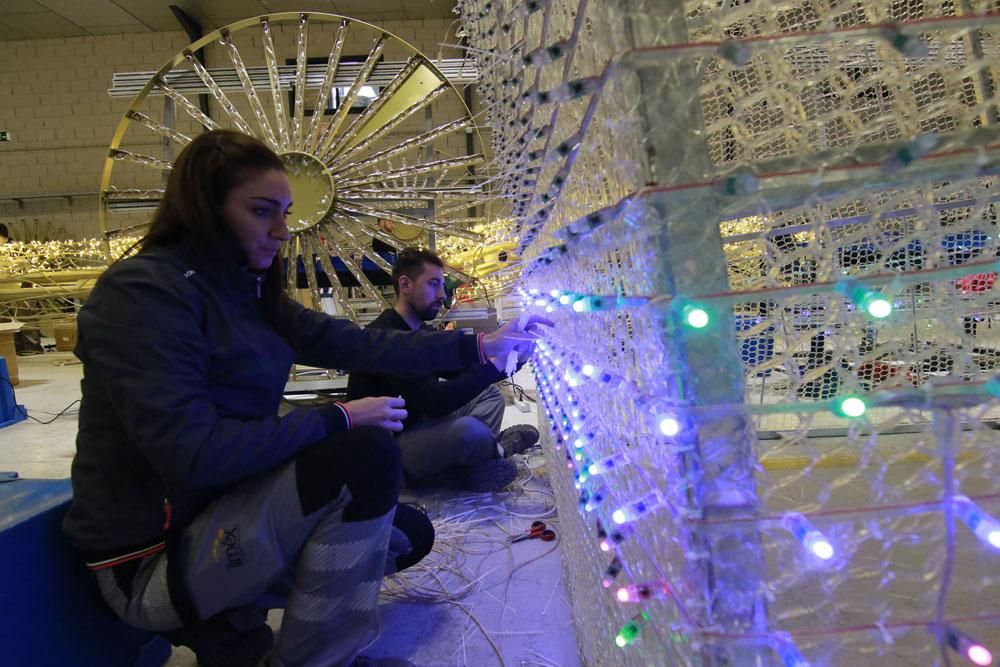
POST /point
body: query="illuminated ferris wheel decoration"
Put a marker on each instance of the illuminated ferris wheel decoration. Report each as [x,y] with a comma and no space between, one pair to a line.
[370,142]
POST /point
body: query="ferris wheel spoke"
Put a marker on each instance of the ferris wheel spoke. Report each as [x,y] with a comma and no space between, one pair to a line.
[336,287]
[275,80]
[371,231]
[159,128]
[217,93]
[353,152]
[332,64]
[309,261]
[300,82]
[328,243]
[359,208]
[292,250]
[403,147]
[354,244]
[416,170]
[186,104]
[373,157]
[248,89]
[139,158]
[369,117]
[398,196]
[372,256]
[330,133]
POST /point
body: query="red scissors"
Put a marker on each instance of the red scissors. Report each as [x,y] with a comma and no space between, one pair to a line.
[538,531]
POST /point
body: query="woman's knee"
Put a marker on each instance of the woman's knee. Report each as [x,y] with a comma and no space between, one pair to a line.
[366,459]
[381,449]
[419,532]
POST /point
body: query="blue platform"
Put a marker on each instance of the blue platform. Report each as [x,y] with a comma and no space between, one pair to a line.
[10,412]
[51,614]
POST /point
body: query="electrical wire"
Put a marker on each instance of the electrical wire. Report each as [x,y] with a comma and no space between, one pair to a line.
[463,527]
[24,411]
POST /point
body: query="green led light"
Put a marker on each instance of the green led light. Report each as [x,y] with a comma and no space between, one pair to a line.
[852,406]
[631,630]
[866,299]
[696,317]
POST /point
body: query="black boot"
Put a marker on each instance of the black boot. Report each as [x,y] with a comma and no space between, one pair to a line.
[232,638]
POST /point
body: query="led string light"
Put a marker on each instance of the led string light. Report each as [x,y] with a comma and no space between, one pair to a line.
[595,498]
[609,463]
[644,591]
[812,540]
[610,542]
[868,300]
[631,630]
[568,148]
[611,573]
[639,507]
[569,373]
[968,648]
[850,406]
[984,526]
[786,650]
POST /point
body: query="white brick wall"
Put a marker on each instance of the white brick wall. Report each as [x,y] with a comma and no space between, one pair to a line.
[54,101]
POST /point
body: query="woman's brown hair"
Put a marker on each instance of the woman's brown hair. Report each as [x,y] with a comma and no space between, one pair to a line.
[192,207]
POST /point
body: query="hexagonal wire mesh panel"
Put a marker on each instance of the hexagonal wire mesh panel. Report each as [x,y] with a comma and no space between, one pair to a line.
[372,133]
[767,234]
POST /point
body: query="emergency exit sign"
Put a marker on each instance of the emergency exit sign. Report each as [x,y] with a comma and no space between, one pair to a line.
[4,135]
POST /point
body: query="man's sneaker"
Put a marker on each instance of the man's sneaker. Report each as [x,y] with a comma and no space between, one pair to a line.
[516,439]
[482,477]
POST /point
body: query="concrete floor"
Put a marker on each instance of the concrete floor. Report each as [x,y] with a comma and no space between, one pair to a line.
[508,605]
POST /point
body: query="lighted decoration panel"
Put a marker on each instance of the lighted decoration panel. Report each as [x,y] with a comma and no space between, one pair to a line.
[767,235]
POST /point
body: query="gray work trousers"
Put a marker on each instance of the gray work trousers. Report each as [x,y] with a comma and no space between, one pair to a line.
[463,438]
[242,549]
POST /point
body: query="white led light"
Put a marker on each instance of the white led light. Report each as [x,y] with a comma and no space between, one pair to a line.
[853,407]
[696,318]
[879,308]
[819,546]
[994,538]
[669,426]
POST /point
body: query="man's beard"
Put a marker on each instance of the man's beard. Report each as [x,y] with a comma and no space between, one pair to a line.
[430,312]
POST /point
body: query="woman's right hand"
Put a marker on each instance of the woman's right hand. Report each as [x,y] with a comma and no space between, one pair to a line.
[384,411]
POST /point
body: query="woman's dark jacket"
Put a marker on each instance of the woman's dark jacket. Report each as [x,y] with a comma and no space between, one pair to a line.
[182,378]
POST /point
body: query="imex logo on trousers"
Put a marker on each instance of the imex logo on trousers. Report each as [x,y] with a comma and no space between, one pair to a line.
[227,542]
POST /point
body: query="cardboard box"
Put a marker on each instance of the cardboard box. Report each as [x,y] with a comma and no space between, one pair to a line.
[7,348]
[9,353]
[64,331]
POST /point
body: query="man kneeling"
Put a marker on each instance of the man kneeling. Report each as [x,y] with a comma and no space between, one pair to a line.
[451,436]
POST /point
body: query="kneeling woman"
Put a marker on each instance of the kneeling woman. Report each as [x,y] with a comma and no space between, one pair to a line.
[197,506]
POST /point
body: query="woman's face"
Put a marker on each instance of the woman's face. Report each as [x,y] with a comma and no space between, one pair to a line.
[255,210]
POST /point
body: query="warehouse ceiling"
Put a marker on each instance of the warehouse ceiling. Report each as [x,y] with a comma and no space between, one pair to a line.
[45,19]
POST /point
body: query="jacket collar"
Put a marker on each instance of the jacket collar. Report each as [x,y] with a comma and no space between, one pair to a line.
[217,270]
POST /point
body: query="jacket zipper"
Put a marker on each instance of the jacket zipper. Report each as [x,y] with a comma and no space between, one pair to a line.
[168,513]
[260,281]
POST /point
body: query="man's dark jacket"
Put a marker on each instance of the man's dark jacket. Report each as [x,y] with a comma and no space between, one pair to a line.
[425,393]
